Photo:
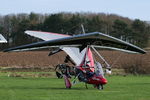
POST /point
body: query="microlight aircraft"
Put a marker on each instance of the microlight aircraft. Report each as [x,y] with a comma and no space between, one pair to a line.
[79,50]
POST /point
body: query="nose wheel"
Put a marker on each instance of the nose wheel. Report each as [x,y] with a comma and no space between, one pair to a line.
[99,87]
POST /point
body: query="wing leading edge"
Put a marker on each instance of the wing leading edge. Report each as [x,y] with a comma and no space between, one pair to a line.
[95,38]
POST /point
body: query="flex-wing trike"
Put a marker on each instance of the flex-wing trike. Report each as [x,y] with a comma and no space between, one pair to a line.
[78,48]
[89,71]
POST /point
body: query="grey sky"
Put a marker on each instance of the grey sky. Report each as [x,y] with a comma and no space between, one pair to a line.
[127,8]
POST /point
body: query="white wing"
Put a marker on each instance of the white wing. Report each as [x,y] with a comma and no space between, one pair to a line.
[73,52]
[2,39]
[46,35]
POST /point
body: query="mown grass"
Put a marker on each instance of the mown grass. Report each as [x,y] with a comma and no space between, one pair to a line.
[29,88]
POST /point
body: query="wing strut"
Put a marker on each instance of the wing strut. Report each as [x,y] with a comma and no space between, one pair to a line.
[108,66]
[54,52]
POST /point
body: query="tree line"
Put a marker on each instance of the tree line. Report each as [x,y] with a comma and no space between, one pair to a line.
[12,26]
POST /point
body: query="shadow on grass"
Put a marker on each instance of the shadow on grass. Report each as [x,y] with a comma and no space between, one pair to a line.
[43,88]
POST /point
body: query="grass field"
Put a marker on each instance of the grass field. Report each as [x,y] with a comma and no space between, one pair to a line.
[51,88]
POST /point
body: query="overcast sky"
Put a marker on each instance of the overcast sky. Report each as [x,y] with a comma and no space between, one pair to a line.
[128,8]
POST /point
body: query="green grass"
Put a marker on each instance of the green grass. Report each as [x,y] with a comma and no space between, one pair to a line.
[118,88]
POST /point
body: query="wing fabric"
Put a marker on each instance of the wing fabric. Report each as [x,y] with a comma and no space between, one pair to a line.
[45,35]
[71,51]
[75,54]
[95,38]
[2,39]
